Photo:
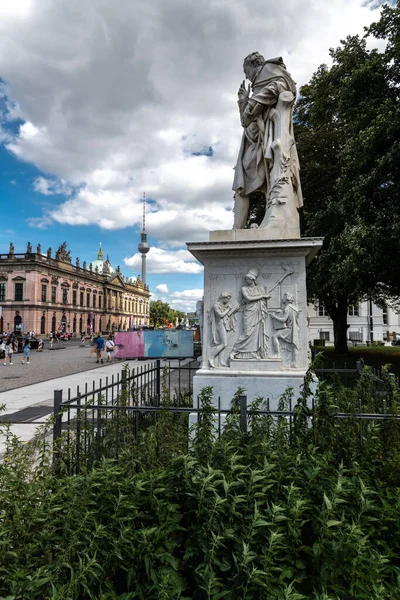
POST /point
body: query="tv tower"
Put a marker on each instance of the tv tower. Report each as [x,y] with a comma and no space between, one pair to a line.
[143,247]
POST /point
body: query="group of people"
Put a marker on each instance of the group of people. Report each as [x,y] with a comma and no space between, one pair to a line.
[100,344]
[9,346]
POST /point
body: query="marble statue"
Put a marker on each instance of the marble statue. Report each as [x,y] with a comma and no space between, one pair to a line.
[62,253]
[84,265]
[90,267]
[48,253]
[11,249]
[222,320]
[38,249]
[287,329]
[77,261]
[253,342]
[267,159]
[29,248]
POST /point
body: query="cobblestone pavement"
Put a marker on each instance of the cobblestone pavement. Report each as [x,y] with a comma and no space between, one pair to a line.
[48,364]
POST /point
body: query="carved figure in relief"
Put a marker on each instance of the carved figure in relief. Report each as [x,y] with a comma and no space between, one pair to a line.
[222,320]
[267,160]
[253,342]
[287,328]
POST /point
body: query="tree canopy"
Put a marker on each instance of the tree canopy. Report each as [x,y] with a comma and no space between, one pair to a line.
[161,313]
[347,127]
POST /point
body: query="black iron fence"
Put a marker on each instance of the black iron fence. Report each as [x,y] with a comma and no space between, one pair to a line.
[112,419]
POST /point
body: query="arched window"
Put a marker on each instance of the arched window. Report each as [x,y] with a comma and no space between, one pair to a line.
[100,328]
[74,325]
[43,325]
[80,325]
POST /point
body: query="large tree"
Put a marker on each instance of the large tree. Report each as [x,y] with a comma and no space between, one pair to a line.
[347,122]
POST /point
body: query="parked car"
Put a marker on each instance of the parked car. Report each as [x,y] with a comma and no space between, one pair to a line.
[33,341]
[396,342]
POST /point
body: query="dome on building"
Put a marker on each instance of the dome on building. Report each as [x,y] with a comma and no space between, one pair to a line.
[103,266]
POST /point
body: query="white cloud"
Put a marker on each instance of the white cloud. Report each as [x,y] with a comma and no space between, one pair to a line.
[184,300]
[165,261]
[137,95]
[162,288]
[49,187]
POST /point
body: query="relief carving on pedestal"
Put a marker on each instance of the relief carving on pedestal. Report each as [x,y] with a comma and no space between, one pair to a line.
[287,330]
[222,320]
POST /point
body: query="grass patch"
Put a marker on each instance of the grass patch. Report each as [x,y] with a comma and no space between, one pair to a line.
[373,356]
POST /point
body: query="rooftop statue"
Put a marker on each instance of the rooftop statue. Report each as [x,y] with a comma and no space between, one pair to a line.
[62,253]
[267,160]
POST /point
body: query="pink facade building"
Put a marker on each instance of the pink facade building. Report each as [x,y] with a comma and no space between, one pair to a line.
[42,293]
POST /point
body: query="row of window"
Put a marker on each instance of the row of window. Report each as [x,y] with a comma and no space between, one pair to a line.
[129,305]
[354,311]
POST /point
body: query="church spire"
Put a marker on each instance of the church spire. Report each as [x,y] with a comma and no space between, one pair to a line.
[100,254]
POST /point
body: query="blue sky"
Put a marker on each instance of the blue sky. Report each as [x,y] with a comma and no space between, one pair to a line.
[100,102]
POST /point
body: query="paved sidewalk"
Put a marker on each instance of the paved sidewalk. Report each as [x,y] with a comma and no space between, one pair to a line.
[31,405]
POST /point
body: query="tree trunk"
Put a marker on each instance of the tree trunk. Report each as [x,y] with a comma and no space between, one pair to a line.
[340,326]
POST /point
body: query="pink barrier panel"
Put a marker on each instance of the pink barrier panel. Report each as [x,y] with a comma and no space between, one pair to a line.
[129,344]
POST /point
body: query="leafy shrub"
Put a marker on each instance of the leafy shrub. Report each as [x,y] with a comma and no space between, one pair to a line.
[290,509]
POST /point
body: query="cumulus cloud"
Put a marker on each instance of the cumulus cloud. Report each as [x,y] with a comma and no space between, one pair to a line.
[162,288]
[161,261]
[184,300]
[49,187]
[117,100]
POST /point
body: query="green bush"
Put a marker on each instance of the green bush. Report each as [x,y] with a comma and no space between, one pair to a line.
[291,509]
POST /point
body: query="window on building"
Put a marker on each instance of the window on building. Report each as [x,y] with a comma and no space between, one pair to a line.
[125,307]
[44,292]
[94,300]
[19,292]
[385,314]
[65,296]
[2,292]
[53,293]
[354,310]
[43,325]
[324,335]
[100,301]
[322,310]
[88,299]
[81,299]
[74,298]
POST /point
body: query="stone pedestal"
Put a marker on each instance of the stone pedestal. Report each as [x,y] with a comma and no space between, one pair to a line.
[254,314]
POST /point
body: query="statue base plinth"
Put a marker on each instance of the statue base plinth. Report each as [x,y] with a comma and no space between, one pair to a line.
[269,386]
[234,322]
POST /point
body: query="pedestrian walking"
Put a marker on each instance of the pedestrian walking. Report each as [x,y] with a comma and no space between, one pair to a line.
[99,345]
[109,348]
[26,351]
[9,349]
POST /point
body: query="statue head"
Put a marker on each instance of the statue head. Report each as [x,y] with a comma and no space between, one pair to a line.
[225,297]
[255,59]
[288,298]
[252,274]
